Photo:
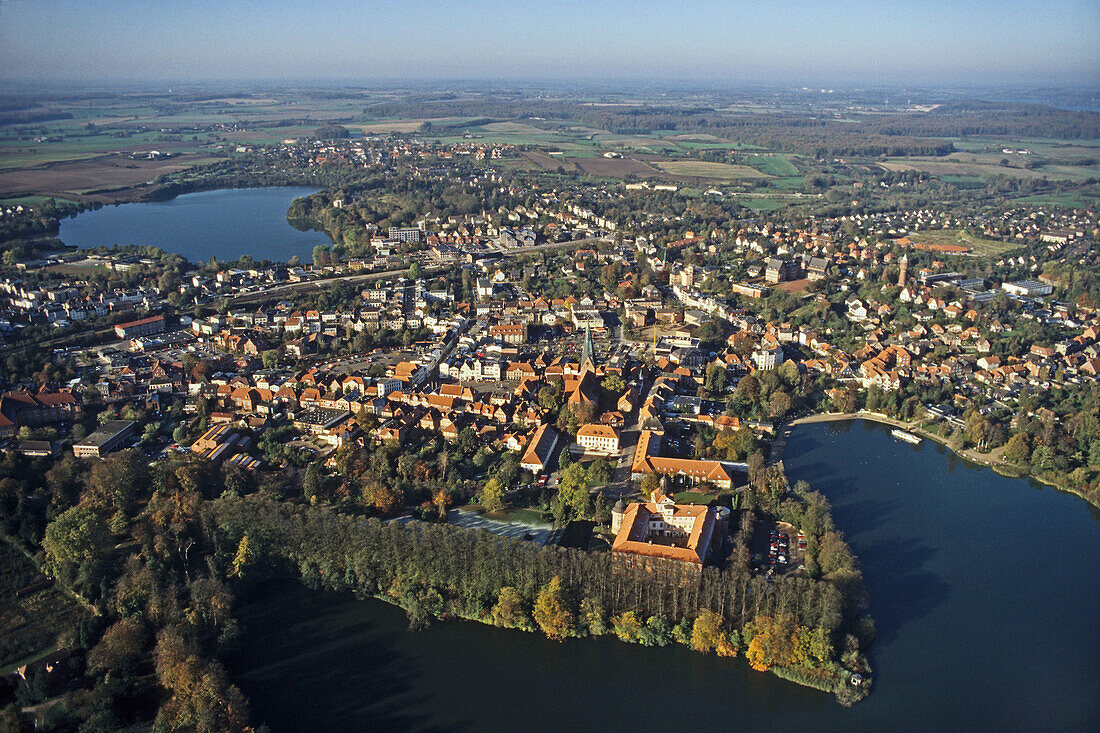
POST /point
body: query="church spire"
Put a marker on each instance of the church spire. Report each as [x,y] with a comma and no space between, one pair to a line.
[588,351]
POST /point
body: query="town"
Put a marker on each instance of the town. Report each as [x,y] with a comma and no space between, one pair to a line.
[537,390]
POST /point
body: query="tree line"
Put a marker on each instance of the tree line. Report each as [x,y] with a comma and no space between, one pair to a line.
[441,571]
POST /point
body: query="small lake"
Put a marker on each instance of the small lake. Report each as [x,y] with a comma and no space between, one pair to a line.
[226,224]
[984,589]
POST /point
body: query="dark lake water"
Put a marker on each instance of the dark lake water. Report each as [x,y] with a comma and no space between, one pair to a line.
[984,590]
[225,224]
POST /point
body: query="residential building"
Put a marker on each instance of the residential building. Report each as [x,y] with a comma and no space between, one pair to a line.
[143,327]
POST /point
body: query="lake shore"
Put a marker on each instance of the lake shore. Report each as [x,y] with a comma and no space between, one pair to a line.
[1008,470]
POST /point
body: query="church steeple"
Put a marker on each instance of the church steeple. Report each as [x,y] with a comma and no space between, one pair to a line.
[588,352]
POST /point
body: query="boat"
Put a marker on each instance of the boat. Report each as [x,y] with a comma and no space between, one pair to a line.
[903,435]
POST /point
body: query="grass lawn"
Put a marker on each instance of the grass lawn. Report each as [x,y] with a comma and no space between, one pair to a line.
[78,271]
[761,203]
[529,516]
[524,515]
[600,543]
[785,184]
[693,497]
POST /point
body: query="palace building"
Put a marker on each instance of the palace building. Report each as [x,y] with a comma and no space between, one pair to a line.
[664,530]
[684,471]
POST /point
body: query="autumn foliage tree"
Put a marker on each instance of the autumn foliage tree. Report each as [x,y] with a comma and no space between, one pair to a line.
[202,698]
[121,647]
[706,631]
[1018,450]
[492,495]
[552,612]
[774,642]
[510,610]
[78,535]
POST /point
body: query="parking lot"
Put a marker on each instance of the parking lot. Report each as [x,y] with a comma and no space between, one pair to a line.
[778,547]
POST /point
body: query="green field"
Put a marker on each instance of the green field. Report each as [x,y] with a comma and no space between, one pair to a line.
[693,497]
[1059,160]
[32,201]
[786,184]
[961,179]
[762,203]
[1069,199]
[1053,149]
[772,165]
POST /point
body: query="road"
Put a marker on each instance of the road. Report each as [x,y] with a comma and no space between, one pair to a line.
[621,484]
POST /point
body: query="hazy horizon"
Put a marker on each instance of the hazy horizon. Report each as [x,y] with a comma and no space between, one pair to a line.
[831,44]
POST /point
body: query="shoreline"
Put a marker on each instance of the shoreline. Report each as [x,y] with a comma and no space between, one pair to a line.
[1007,470]
[789,674]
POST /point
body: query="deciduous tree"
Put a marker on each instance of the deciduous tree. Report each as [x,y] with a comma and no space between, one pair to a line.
[510,610]
[77,535]
[552,612]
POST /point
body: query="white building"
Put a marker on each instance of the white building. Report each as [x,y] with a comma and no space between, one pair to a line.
[598,439]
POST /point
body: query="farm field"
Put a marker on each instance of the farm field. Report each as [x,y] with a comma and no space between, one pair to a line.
[786,184]
[985,165]
[615,167]
[944,166]
[1055,149]
[763,203]
[544,161]
[32,611]
[32,200]
[707,169]
[90,180]
[403,125]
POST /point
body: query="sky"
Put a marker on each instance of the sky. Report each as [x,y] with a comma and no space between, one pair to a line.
[1053,43]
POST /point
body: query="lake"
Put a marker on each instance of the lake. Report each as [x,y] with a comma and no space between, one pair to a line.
[984,590]
[226,224]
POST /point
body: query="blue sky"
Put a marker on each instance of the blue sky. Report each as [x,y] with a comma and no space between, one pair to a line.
[822,42]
